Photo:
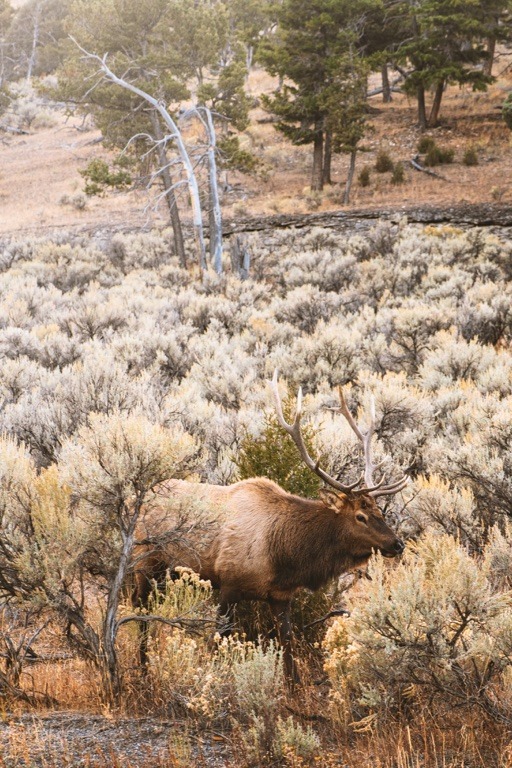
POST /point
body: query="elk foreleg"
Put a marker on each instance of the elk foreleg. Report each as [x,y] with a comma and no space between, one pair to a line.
[226,613]
[281,612]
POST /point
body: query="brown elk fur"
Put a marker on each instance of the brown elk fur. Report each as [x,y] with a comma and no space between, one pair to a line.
[264,543]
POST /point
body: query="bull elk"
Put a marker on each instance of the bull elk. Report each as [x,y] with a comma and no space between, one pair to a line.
[268,543]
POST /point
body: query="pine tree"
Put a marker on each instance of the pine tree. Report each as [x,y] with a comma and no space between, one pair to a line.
[35,36]
[347,109]
[443,40]
[309,41]
[249,19]
[274,455]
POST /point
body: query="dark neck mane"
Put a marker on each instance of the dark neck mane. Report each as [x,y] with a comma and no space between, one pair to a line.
[307,546]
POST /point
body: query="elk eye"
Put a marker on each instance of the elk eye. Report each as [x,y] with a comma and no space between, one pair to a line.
[362,519]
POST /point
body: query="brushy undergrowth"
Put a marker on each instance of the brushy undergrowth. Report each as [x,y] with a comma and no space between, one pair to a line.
[93,341]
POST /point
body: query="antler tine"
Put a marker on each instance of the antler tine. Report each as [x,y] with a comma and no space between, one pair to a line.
[364,437]
[346,413]
[388,490]
[294,431]
[370,489]
[379,489]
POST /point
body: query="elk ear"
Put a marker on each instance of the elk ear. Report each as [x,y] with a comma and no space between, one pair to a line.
[335,500]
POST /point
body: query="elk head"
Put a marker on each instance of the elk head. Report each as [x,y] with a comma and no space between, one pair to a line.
[360,519]
[362,524]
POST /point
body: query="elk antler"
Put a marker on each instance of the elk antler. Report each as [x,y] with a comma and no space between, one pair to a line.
[296,435]
[379,489]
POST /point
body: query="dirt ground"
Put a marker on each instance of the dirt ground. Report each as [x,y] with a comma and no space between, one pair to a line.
[39,169]
[59,739]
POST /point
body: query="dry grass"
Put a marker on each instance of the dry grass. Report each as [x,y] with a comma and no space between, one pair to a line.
[78,731]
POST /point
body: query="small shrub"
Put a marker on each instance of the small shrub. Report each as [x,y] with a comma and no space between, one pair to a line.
[5,99]
[45,119]
[470,157]
[275,456]
[425,143]
[438,156]
[498,193]
[238,680]
[364,177]
[383,162]
[99,176]
[313,200]
[398,176]
[241,209]
[234,156]
[293,741]
[78,201]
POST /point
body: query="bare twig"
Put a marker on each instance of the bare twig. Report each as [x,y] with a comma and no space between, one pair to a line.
[330,615]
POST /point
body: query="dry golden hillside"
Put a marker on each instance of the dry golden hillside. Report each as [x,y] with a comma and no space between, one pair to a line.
[39,169]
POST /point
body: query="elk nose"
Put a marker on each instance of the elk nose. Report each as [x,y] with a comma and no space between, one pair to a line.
[399,546]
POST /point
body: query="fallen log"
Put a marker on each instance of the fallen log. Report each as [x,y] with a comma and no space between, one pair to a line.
[418,167]
[13,129]
[377,91]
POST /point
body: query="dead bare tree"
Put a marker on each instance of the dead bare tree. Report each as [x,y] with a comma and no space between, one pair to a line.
[174,135]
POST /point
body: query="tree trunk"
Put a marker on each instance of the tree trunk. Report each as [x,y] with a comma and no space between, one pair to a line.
[215,214]
[249,55]
[436,105]
[317,183]
[422,110]
[169,190]
[240,257]
[491,49]
[193,188]
[327,161]
[35,41]
[110,666]
[350,177]
[386,86]
[188,167]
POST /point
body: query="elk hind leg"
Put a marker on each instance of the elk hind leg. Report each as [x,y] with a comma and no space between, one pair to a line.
[140,599]
[145,582]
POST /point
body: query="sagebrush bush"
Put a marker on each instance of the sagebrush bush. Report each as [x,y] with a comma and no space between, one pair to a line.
[364,177]
[432,627]
[239,679]
[398,175]
[470,157]
[426,143]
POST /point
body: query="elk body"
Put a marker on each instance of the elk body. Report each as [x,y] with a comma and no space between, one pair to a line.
[265,543]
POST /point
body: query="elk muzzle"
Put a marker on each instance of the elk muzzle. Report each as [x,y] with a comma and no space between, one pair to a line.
[394,550]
